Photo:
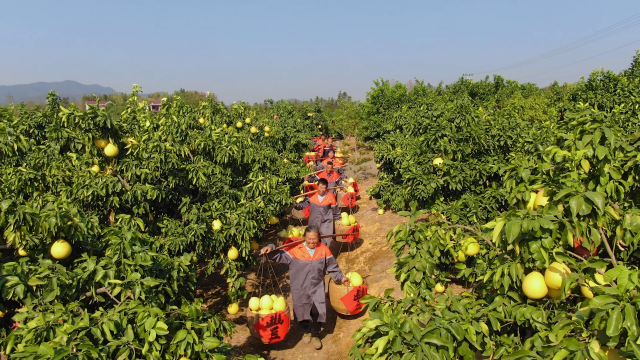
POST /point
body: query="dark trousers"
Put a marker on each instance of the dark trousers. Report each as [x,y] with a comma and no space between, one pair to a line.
[312,326]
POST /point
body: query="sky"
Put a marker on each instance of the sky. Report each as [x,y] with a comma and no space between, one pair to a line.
[255,50]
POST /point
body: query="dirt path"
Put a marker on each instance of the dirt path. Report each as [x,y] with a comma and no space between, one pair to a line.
[372,258]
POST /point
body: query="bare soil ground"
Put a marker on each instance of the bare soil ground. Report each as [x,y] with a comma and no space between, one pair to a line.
[371,257]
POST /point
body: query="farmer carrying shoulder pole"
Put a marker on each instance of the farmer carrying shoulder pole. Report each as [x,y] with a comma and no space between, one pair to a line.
[308,263]
[334,179]
[323,210]
[334,160]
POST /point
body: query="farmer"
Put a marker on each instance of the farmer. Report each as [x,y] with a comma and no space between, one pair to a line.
[323,210]
[319,140]
[308,263]
[327,147]
[334,179]
[336,162]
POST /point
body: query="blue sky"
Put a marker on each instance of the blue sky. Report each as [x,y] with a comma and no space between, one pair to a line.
[253,50]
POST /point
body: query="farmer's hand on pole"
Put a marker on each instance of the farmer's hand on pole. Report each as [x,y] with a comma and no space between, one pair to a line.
[265,250]
[346,281]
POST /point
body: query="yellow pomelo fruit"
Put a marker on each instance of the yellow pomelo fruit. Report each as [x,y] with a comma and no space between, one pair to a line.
[439,288]
[438,161]
[60,249]
[95,169]
[541,200]
[380,211]
[233,254]
[264,312]
[295,232]
[471,247]
[350,189]
[239,124]
[201,121]
[344,214]
[532,201]
[345,221]
[586,290]
[254,304]
[184,358]
[101,143]
[556,293]
[233,308]
[247,121]
[273,220]
[554,274]
[254,245]
[283,234]
[350,180]
[611,354]
[534,286]
[23,252]
[280,304]
[111,150]
[273,297]
[254,130]
[352,219]
[600,278]
[355,278]
[266,302]
[267,129]
[216,225]
[461,256]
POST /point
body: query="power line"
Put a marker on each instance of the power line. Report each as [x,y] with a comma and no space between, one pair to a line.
[582,74]
[598,35]
[520,75]
[562,67]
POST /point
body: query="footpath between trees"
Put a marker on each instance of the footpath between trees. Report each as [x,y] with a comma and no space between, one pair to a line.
[372,258]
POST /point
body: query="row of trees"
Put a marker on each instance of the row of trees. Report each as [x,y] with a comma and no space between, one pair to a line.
[170,194]
[535,177]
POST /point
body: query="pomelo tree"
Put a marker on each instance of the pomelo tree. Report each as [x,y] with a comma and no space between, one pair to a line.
[143,201]
[571,200]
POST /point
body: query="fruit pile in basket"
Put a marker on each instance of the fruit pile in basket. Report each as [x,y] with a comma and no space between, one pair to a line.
[291,231]
[267,304]
[347,220]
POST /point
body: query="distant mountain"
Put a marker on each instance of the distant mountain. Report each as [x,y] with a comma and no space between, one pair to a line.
[38,91]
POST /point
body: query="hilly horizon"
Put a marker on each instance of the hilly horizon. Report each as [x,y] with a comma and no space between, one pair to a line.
[38,91]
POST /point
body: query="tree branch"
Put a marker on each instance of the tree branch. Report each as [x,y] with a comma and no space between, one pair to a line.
[606,244]
[105,290]
[123,181]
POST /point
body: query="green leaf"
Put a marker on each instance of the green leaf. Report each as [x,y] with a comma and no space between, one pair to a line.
[46,349]
[512,230]
[519,354]
[601,300]
[575,204]
[497,230]
[601,152]
[180,335]
[561,354]
[614,323]
[586,167]
[35,281]
[434,339]
[210,343]
[598,200]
